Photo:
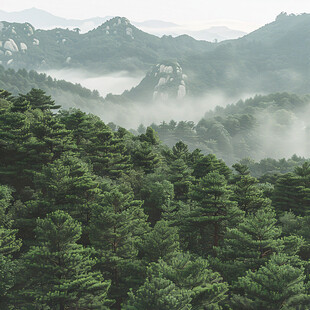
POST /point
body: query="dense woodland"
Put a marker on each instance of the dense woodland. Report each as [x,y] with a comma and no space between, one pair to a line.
[263,126]
[92,218]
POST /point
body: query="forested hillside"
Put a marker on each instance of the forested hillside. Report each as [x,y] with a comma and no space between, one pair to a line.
[92,218]
[66,94]
[275,126]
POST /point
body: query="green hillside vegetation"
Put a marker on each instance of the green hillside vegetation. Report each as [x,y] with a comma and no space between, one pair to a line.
[92,218]
[66,94]
[259,127]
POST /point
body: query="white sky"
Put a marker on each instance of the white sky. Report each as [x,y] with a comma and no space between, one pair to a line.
[243,14]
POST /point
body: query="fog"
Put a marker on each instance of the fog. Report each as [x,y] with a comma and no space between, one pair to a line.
[277,134]
[284,133]
[146,113]
[115,83]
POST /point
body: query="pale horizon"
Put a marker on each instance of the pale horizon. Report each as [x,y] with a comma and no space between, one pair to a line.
[239,15]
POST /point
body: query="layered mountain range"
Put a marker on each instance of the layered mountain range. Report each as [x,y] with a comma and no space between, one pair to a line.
[271,59]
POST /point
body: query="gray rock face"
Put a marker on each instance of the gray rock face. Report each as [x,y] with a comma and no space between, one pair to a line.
[23,46]
[170,82]
[11,46]
[36,42]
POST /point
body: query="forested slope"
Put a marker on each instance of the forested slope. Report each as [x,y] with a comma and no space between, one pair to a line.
[66,94]
[96,219]
[275,126]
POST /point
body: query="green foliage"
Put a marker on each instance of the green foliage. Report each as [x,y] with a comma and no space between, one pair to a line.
[249,245]
[248,196]
[58,272]
[159,293]
[292,191]
[161,242]
[277,285]
[92,218]
[214,211]
[117,226]
[206,287]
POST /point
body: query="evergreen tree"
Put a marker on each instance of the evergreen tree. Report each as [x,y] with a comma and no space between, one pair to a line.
[214,211]
[9,267]
[210,163]
[246,193]
[157,194]
[150,136]
[144,157]
[39,100]
[249,245]
[9,245]
[277,285]
[158,294]
[58,272]
[206,287]
[292,193]
[116,228]
[180,176]
[106,150]
[67,184]
[180,151]
[161,242]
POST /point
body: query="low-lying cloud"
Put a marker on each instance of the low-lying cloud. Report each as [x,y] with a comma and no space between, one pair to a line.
[115,83]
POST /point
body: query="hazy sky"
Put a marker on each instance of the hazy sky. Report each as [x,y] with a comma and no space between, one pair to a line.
[246,13]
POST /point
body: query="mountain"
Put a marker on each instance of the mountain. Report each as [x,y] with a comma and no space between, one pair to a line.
[271,59]
[41,19]
[45,20]
[275,58]
[113,46]
[212,34]
[164,82]
[218,33]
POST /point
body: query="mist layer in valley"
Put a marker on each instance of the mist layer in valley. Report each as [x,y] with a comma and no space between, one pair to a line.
[273,126]
[115,83]
[266,126]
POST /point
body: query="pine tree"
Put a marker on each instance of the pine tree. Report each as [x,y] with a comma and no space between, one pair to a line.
[180,176]
[158,294]
[150,136]
[161,242]
[213,212]
[210,163]
[246,193]
[180,151]
[9,267]
[78,123]
[13,132]
[106,150]
[9,245]
[116,228]
[39,100]
[292,193]
[249,245]
[144,157]
[280,284]
[157,194]
[58,272]
[206,287]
